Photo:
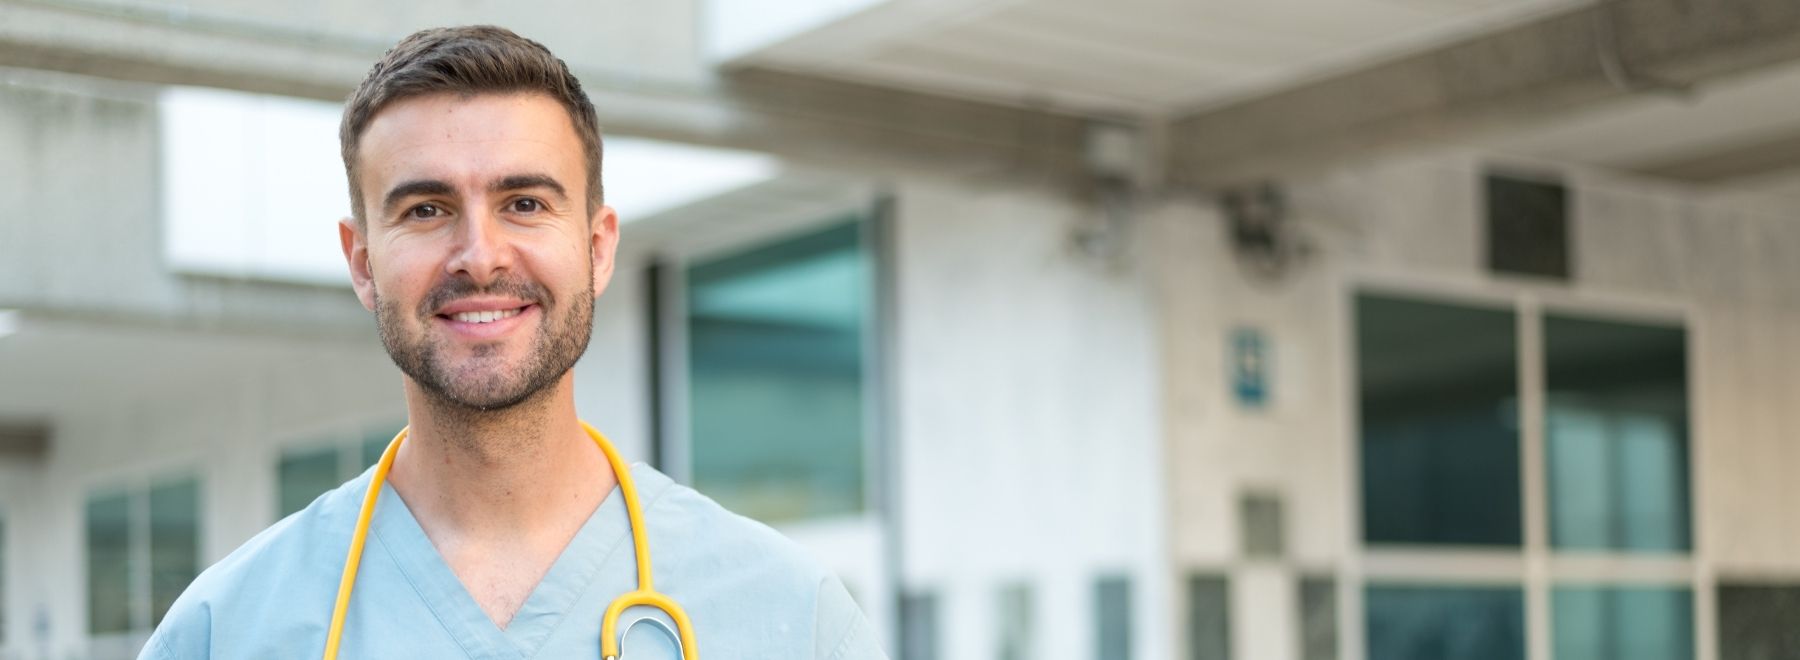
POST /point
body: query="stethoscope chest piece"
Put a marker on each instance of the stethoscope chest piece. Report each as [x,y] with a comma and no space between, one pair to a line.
[673,637]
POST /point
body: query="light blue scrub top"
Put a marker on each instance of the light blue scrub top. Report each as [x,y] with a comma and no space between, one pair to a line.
[750,592]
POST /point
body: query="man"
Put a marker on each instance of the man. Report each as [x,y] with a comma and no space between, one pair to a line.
[480,240]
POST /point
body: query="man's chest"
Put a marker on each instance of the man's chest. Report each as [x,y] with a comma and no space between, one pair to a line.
[500,585]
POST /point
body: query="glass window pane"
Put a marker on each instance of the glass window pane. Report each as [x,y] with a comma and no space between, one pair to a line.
[303,476]
[1440,440]
[1260,525]
[174,543]
[1318,618]
[918,626]
[1434,623]
[1616,423]
[775,349]
[1209,618]
[1112,614]
[1015,623]
[109,569]
[1756,621]
[1623,623]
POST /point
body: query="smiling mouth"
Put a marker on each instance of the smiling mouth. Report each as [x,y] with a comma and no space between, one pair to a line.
[489,316]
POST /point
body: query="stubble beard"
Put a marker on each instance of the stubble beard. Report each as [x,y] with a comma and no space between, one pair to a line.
[484,382]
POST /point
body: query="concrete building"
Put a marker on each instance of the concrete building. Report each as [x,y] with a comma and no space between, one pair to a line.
[1264,331]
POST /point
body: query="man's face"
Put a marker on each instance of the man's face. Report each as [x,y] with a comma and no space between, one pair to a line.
[477,253]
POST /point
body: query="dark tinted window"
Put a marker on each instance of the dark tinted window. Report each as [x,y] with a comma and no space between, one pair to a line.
[1209,618]
[1440,623]
[1440,442]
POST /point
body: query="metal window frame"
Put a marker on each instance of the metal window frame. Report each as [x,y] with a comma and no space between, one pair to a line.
[1535,568]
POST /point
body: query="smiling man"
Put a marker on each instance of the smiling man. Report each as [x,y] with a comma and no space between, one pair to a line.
[480,240]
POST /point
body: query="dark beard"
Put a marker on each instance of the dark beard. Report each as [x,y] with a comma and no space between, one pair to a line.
[485,386]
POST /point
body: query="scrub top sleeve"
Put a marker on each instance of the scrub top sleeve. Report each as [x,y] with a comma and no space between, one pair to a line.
[858,644]
[157,649]
[843,632]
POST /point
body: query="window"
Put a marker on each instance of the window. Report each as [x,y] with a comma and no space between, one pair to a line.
[1209,618]
[918,626]
[1112,616]
[1015,623]
[305,474]
[174,543]
[1442,474]
[1318,618]
[775,339]
[1260,525]
[109,564]
[1616,427]
[1437,622]
[1623,623]
[143,548]
[1756,621]
[1440,441]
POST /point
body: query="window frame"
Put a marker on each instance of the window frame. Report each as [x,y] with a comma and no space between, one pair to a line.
[672,382]
[136,490]
[344,439]
[1535,567]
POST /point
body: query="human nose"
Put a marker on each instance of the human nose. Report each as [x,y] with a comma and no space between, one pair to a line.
[483,250]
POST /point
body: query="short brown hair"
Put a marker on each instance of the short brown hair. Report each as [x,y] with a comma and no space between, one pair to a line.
[467,60]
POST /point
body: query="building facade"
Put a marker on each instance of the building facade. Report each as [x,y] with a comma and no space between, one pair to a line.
[1027,379]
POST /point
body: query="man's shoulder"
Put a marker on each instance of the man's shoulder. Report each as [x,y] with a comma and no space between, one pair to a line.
[277,570]
[738,559]
[702,525]
[310,540]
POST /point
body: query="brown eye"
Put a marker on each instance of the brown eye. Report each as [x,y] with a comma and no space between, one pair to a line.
[526,205]
[423,211]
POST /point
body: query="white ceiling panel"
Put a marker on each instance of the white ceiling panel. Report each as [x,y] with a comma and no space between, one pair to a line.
[1157,56]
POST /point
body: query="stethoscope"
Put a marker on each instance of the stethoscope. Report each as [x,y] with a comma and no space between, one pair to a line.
[646,594]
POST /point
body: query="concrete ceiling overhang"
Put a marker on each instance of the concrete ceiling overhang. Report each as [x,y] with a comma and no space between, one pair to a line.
[61,366]
[1591,62]
[1235,90]
[1122,57]
[1691,90]
[830,124]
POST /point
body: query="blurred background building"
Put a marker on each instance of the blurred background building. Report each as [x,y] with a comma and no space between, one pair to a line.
[1137,330]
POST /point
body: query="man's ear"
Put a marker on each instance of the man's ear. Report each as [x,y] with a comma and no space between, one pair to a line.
[603,245]
[356,253]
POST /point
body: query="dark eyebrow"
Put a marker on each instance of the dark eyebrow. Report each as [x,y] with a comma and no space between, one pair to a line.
[523,181]
[411,188]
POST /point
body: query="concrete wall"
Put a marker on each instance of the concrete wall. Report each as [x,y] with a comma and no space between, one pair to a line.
[80,234]
[1027,419]
[330,45]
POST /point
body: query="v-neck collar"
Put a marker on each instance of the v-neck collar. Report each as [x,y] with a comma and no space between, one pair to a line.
[550,602]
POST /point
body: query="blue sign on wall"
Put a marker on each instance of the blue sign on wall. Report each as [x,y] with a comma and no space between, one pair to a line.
[1250,367]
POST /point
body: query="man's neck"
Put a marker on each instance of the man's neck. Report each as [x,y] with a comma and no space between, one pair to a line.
[523,471]
[500,493]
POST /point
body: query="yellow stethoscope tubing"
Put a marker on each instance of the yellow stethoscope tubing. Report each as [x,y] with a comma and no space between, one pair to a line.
[645,594]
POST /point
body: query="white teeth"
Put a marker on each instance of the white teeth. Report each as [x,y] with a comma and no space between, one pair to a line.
[487,316]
